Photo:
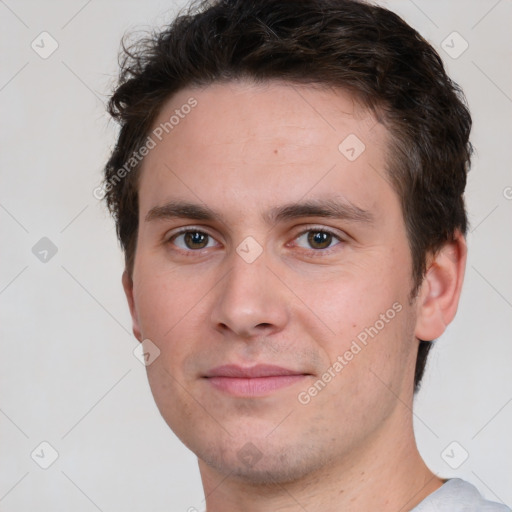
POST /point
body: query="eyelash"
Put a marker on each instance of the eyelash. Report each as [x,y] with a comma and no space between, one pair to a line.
[327,250]
[313,252]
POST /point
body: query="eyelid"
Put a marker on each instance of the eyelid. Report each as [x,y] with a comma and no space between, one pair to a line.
[320,227]
[342,237]
[167,238]
[185,229]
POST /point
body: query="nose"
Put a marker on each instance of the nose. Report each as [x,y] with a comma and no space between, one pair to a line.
[250,301]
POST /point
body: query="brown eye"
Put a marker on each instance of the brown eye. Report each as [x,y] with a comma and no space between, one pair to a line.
[192,240]
[319,239]
[196,240]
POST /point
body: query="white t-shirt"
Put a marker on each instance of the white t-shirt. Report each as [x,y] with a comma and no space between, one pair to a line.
[456,495]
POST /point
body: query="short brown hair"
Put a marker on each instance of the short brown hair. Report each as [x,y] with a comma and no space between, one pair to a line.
[348,44]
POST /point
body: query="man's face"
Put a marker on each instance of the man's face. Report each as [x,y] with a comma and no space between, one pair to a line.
[298,290]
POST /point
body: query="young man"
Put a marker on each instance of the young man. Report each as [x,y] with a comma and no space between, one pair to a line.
[288,190]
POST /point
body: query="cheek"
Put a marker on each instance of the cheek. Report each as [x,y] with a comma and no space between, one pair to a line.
[372,364]
[349,301]
[169,313]
[163,303]
[370,325]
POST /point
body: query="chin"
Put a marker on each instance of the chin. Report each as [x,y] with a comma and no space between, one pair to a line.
[267,466]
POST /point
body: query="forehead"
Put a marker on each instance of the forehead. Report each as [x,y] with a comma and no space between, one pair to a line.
[240,145]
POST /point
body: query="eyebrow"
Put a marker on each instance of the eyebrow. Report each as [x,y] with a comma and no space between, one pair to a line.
[328,208]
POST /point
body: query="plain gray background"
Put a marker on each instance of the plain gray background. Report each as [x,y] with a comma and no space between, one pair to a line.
[68,374]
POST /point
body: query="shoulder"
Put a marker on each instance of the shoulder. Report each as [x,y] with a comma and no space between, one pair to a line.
[456,495]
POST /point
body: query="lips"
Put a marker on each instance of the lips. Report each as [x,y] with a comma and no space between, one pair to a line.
[259,380]
[260,370]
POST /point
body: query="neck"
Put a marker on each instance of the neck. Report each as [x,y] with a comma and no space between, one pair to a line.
[386,474]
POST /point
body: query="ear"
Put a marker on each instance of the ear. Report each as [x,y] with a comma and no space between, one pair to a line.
[128,290]
[440,290]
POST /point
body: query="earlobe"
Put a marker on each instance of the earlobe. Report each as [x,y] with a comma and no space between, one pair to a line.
[128,290]
[440,291]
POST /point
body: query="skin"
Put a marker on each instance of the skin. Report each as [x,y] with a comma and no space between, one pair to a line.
[243,150]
